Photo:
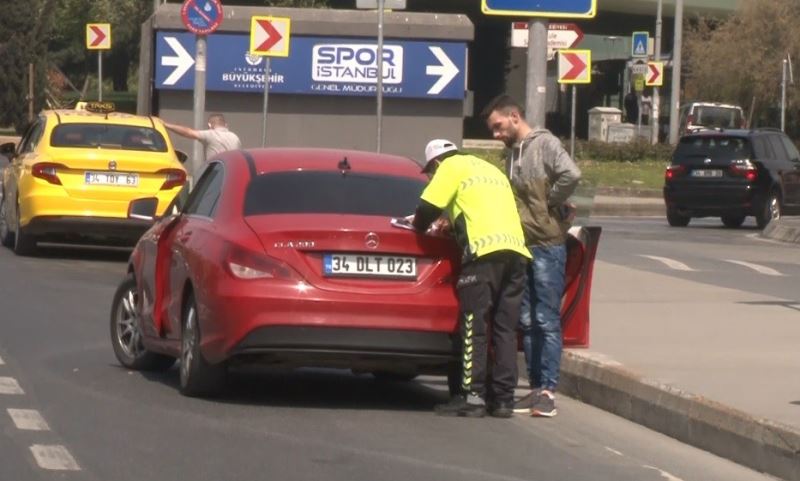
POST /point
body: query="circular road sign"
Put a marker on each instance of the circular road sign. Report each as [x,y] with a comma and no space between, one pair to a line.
[201,16]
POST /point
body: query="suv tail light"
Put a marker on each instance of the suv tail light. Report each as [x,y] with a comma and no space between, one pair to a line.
[175,178]
[245,264]
[47,171]
[689,122]
[744,168]
[674,171]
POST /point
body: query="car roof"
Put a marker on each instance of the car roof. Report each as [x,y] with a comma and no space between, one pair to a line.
[711,104]
[69,116]
[278,159]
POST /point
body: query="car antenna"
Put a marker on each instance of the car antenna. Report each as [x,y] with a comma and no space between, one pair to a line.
[344,166]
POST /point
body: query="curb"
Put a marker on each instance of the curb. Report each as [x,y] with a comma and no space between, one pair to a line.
[783,230]
[760,444]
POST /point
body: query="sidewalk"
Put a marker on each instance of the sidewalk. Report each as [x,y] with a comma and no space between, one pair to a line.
[706,389]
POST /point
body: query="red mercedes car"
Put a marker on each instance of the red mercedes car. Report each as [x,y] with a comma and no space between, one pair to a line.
[288,257]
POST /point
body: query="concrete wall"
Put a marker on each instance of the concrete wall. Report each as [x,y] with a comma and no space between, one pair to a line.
[317,120]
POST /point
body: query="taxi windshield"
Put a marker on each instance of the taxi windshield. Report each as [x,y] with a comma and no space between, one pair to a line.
[108,136]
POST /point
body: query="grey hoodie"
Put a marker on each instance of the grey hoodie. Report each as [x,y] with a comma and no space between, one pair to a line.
[543,177]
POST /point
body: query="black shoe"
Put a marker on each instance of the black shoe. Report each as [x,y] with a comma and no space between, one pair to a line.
[525,403]
[458,406]
[502,410]
[544,405]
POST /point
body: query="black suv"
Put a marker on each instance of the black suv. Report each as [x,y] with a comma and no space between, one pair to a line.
[733,174]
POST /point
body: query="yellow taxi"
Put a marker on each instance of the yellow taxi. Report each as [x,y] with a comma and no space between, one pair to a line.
[74,173]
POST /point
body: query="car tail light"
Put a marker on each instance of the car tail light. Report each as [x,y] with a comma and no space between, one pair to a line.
[175,178]
[47,171]
[674,171]
[689,122]
[245,264]
[744,168]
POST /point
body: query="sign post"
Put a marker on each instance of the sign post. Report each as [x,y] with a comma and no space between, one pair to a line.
[200,17]
[574,67]
[535,84]
[98,37]
[269,37]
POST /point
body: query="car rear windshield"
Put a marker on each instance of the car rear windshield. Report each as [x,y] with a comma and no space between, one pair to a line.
[332,193]
[724,117]
[714,147]
[108,136]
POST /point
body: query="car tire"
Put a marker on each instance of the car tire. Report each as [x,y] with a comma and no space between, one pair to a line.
[126,334]
[198,378]
[770,210]
[732,221]
[675,219]
[24,243]
[394,376]
[6,236]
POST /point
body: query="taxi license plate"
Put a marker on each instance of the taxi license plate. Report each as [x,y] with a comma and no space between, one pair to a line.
[363,265]
[111,178]
[707,173]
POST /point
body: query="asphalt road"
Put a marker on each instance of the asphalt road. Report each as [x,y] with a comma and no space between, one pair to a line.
[705,252]
[106,423]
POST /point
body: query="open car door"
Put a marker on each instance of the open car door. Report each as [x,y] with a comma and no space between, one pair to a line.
[582,243]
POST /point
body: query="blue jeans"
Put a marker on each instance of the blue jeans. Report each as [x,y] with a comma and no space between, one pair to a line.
[541,301]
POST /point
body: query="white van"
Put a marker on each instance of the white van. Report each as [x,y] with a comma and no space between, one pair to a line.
[696,116]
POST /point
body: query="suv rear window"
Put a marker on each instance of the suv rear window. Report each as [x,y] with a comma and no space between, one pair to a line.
[332,193]
[715,147]
[711,117]
[108,136]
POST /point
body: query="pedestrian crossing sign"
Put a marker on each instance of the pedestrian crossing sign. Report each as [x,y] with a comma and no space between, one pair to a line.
[639,44]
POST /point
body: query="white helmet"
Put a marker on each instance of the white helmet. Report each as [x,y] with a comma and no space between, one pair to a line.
[435,149]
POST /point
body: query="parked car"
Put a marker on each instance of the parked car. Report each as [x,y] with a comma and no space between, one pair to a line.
[695,116]
[733,174]
[74,173]
[289,257]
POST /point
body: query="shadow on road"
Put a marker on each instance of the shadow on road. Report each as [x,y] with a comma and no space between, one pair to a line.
[320,389]
[83,252]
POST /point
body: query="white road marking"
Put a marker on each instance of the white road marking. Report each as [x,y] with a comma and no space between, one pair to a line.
[663,473]
[9,385]
[28,419]
[614,451]
[54,457]
[671,263]
[768,271]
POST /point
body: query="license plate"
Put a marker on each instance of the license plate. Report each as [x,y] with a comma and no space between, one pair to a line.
[364,265]
[707,173]
[111,178]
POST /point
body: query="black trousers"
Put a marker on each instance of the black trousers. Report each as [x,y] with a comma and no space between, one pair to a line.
[489,293]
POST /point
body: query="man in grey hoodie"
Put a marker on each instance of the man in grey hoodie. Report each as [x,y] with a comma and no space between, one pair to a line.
[543,176]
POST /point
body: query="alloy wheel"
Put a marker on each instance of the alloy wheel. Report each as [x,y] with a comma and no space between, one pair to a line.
[129,337]
[188,341]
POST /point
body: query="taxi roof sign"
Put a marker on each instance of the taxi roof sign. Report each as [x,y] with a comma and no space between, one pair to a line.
[96,107]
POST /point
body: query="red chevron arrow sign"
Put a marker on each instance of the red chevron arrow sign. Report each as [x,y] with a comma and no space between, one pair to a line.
[98,36]
[269,36]
[574,66]
[655,74]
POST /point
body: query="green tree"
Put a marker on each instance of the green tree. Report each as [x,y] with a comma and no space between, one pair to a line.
[23,40]
[740,59]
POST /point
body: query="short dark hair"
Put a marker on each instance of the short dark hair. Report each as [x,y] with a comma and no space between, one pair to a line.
[504,103]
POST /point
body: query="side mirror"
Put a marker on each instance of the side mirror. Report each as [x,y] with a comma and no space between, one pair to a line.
[182,156]
[8,149]
[143,209]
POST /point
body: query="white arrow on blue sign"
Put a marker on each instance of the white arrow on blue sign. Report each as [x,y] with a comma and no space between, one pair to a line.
[446,70]
[182,61]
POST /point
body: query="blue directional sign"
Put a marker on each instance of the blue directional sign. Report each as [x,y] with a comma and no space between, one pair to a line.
[316,66]
[639,44]
[541,8]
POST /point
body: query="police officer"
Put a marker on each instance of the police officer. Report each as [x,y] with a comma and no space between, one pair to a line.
[480,206]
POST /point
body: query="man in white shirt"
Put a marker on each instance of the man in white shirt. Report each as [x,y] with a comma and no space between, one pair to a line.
[216,139]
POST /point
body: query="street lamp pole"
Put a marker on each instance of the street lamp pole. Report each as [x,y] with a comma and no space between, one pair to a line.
[676,73]
[656,93]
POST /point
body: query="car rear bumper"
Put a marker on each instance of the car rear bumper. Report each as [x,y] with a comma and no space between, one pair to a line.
[67,227]
[703,200]
[354,348]
[278,321]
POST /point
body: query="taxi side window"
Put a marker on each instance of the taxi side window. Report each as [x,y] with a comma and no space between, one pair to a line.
[32,139]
